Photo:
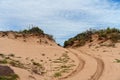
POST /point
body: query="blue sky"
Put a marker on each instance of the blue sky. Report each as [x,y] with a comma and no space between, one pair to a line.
[61,18]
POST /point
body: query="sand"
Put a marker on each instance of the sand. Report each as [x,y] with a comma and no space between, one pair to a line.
[91,63]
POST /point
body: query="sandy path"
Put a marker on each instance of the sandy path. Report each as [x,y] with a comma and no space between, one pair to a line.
[100,67]
[83,71]
[96,64]
[79,67]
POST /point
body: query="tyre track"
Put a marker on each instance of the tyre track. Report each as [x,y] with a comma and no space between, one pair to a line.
[78,69]
[98,73]
[100,67]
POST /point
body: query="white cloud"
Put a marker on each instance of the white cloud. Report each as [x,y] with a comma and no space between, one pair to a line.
[63,18]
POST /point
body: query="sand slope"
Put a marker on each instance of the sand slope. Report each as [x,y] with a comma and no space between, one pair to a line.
[26,52]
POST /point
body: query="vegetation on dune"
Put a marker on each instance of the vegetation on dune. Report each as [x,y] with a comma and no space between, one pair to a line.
[57,74]
[10,77]
[35,30]
[117,60]
[81,38]
[65,65]
[4,61]
[12,60]
[112,34]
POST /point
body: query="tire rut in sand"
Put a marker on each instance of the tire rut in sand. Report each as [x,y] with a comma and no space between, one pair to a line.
[100,67]
[99,71]
[78,69]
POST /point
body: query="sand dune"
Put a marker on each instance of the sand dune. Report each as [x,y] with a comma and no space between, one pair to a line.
[52,62]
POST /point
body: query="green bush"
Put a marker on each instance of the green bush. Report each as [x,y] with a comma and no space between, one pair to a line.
[57,74]
[34,30]
[4,61]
